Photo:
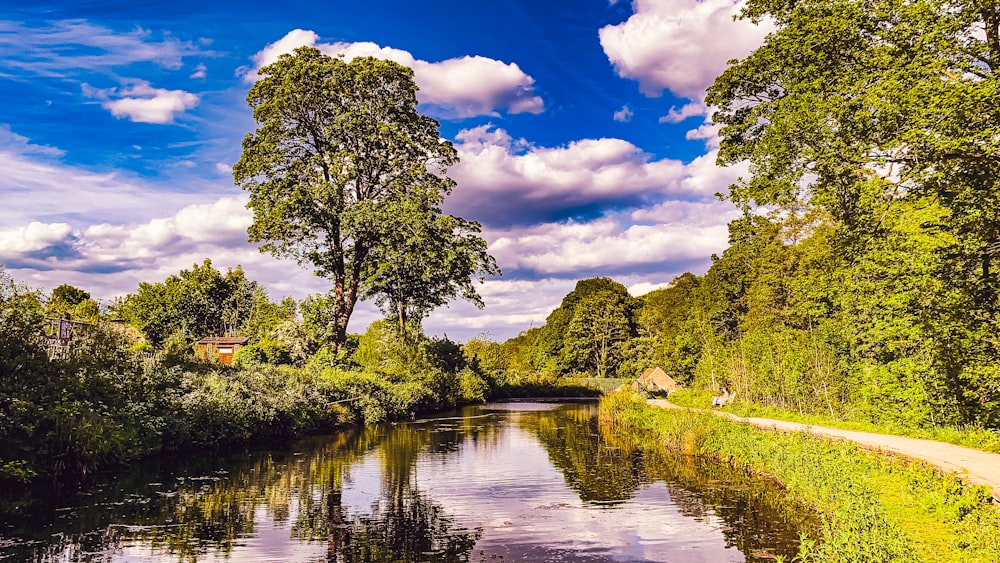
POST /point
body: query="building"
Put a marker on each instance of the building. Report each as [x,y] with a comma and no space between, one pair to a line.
[655,379]
[221,347]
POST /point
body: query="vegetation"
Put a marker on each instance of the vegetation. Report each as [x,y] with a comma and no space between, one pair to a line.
[873,507]
[346,176]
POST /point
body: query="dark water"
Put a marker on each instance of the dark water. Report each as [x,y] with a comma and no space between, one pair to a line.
[504,482]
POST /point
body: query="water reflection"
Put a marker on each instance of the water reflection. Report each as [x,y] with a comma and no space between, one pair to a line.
[506,482]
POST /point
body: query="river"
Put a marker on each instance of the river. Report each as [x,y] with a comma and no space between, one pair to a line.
[499,482]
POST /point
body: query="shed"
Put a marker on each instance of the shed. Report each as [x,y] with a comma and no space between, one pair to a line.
[222,347]
[655,379]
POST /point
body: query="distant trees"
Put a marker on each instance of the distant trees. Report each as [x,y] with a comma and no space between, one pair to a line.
[202,302]
[346,176]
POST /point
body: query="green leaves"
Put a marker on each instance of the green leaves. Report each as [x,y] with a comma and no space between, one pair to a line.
[344,175]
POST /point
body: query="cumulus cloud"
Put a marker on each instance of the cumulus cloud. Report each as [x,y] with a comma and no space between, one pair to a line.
[679,45]
[455,88]
[200,71]
[33,237]
[142,103]
[624,115]
[506,181]
[607,246]
[676,115]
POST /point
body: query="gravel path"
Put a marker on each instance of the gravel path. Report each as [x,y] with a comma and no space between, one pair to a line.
[973,466]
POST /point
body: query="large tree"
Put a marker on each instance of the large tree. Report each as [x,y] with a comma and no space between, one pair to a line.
[878,119]
[341,171]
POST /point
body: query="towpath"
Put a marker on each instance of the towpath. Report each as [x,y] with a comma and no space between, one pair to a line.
[972,466]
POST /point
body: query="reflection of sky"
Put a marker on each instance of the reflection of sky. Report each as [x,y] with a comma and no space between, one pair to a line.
[524,506]
[507,487]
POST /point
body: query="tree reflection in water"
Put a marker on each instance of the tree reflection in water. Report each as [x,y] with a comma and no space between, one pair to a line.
[212,507]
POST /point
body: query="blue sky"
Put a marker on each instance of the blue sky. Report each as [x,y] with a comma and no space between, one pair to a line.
[584,143]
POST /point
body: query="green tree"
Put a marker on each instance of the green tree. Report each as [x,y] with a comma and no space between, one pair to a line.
[601,324]
[341,163]
[868,117]
[425,259]
[194,303]
[64,299]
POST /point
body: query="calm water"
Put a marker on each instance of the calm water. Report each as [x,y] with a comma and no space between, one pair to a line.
[503,482]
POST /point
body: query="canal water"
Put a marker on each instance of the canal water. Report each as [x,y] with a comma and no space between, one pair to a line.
[499,482]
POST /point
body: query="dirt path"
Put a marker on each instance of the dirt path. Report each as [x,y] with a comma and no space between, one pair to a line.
[973,466]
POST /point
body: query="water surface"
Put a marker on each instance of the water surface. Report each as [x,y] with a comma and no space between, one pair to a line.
[501,482]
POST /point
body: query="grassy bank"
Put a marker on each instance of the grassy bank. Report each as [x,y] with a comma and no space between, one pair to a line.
[875,508]
[969,436]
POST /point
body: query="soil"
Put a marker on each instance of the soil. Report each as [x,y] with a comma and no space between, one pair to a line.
[974,467]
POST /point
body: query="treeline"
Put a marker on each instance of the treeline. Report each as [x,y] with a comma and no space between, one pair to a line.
[130,382]
[796,315]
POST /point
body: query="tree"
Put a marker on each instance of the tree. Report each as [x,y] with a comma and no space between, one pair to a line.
[424,261]
[872,116]
[601,323]
[64,299]
[195,303]
[342,162]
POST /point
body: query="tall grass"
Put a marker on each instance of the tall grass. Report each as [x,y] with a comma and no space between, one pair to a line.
[875,508]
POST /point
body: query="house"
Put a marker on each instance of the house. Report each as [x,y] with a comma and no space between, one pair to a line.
[655,379]
[222,347]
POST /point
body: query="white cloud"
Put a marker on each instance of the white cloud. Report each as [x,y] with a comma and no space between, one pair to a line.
[624,115]
[74,45]
[606,245]
[460,87]
[200,71]
[692,109]
[679,45]
[38,187]
[142,103]
[502,180]
[33,237]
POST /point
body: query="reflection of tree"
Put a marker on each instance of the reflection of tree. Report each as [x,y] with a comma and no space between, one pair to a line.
[597,471]
[189,517]
[605,467]
[193,516]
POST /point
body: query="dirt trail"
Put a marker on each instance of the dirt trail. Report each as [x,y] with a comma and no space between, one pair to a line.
[972,466]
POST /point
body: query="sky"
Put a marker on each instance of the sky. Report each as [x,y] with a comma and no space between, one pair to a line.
[585,145]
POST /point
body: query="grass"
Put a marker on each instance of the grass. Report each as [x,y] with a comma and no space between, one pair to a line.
[969,436]
[875,508]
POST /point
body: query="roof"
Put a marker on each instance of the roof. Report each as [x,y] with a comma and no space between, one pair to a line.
[222,340]
[658,379]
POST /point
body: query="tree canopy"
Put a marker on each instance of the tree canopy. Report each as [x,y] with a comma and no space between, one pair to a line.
[346,176]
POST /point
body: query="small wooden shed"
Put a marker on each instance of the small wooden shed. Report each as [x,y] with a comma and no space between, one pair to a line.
[655,379]
[221,347]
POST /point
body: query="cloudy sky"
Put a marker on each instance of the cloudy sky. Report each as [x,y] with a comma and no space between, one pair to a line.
[584,143]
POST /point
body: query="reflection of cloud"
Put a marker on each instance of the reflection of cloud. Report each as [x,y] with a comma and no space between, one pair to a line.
[459,87]
[677,45]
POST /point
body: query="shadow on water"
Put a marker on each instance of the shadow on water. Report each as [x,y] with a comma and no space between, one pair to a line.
[485,483]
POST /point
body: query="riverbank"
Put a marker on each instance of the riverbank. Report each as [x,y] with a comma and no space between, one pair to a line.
[973,466]
[875,507]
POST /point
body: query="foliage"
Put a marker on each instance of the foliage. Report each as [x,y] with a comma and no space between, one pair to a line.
[201,302]
[344,175]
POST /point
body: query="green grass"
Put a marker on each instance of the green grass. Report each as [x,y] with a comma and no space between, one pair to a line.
[969,436]
[875,508]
